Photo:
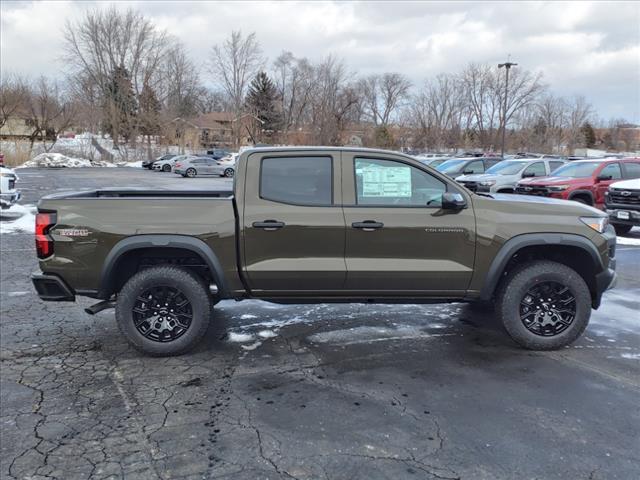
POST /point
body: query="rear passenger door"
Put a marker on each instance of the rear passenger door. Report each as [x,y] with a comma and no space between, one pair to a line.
[293,225]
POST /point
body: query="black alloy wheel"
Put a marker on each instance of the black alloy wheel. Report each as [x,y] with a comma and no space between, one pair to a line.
[548,309]
[162,314]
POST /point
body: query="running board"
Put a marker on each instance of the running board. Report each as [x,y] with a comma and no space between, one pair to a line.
[98,307]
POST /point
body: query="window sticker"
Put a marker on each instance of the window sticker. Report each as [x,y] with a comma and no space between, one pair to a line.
[384,181]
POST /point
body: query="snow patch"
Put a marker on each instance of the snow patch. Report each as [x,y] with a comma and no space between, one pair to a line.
[58,160]
[25,219]
[267,334]
[631,238]
[247,316]
[631,356]
[239,337]
[368,334]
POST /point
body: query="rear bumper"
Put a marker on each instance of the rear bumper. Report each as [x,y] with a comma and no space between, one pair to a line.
[51,288]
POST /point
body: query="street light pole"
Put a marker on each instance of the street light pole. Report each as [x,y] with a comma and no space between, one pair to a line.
[507,66]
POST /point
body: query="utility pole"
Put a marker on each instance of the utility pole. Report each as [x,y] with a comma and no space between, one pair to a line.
[507,66]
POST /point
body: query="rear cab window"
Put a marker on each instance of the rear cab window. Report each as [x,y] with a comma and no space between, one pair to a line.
[300,180]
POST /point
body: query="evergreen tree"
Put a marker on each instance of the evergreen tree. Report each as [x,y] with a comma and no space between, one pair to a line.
[383,137]
[120,105]
[262,101]
[149,111]
[588,134]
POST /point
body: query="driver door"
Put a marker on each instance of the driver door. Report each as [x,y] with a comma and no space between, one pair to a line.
[399,241]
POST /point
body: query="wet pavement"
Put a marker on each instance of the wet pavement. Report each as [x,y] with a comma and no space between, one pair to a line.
[311,391]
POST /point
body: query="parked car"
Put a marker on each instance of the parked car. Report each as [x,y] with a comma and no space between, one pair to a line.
[294,230]
[622,202]
[149,163]
[466,166]
[583,181]
[433,162]
[199,166]
[167,165]
[8,192]
[503,176]
[217,153]
[1,159]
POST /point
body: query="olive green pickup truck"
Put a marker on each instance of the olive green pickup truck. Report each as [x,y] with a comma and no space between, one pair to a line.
[311,225]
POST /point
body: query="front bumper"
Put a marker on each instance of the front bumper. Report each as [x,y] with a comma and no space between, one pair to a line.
[8,199]
[607,279]
[51,288]
[633,216]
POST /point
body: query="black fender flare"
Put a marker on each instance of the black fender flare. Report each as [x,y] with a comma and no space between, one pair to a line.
[587,193]
[513,245]
[138,242]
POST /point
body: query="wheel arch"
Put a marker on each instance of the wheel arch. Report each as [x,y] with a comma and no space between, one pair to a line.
[575,251]
[139,244]
[584,194]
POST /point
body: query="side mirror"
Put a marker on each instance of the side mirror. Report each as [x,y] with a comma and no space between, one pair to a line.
[602,178]
[467,172]
[528,174]
[453,201]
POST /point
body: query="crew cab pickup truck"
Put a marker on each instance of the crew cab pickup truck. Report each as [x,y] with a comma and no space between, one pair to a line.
[310,225]
[584,181]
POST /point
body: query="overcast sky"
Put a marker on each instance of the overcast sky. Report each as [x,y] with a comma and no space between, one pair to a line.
[582,48]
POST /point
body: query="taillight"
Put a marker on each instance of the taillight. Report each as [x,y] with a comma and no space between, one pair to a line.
[178,165]
[44,243]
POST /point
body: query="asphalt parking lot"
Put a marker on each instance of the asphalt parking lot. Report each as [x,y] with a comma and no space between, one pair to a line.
[308,392]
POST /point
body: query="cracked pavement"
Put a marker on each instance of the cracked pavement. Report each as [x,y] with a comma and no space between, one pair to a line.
[309,391]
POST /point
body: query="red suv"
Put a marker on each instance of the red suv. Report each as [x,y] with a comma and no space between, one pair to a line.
[584,181]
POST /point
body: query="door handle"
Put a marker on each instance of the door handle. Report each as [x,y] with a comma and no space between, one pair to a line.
[368,225]
[268,225]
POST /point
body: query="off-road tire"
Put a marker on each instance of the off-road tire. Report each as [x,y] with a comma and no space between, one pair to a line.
[166,168]
[520,281]
[622,229]
[191,172]
[193,289]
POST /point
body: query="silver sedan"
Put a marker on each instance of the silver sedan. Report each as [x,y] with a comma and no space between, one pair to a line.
[195,166]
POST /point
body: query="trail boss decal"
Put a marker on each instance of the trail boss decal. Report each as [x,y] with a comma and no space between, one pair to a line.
[73,232]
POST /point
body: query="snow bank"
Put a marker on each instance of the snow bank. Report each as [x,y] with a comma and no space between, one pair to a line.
[58,160]
[23,219]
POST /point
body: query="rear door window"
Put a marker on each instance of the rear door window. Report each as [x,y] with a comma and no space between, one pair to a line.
[535,170]
[297,180]
[632,169]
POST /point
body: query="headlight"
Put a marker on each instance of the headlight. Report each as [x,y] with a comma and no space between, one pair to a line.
[557,188]
[488,183]
[599,224]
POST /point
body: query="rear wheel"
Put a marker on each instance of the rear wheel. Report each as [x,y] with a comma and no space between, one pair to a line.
[622,229]
[228,172]
[163,310]
[166,168]
[191,172]
[544,305]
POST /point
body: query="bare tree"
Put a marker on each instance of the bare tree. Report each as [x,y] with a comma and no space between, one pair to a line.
[13,95]
[436,112]
[234,63]
[382,95]
[50,112]
[179,82]
[294,79]
[107,41]
[579,111]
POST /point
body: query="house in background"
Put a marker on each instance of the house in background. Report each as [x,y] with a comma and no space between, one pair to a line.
[211,130]
[17,127]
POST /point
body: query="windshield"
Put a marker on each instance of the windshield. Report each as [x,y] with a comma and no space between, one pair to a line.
[451,165]
[577,170]
[507,168]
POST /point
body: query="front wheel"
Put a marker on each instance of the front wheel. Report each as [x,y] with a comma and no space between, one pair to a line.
[228,172]
[163,310]
[544,305]
[166,168]
[191,172]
